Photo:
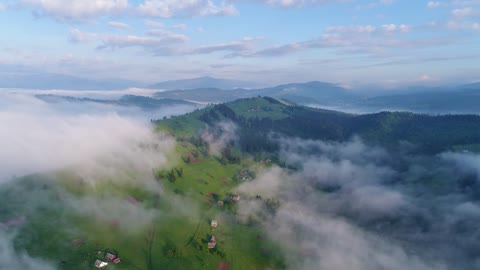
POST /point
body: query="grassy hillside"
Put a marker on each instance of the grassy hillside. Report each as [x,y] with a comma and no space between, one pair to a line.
[71,221]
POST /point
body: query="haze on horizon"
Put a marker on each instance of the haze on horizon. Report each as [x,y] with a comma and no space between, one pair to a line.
[389,43]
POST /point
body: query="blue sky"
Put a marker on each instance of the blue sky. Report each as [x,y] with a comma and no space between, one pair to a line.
[353,42]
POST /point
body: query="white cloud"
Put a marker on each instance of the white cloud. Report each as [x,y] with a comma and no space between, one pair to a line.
[11,260]
[124,41]
[356,29]
[120,25]
[185,8]
[461,25]
[464,12]
[75,10]
[167,34]
[404,28]
[368,29]
[372,5]
[435,4]
[39,136]
[300,3]
[286,3]
[153,23]
[234,46]
[457,3]
[180,26]
[253,38]
[161,42]
[359,38]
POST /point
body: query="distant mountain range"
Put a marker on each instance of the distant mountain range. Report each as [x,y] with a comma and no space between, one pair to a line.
[142,102]
[462,99]
[203,82]
[311,92]
[438,100]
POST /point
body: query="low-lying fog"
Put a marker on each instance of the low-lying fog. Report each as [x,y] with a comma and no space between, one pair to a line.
[38,136]
[346,206]
[353,206]
[95,139]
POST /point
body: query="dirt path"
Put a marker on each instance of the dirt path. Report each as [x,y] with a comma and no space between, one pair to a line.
[150,238]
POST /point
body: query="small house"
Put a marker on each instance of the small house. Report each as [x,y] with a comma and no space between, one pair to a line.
[116,261]
[223,266]
[212,243]
[220,203]
[214,223]
[100,264]
[236,198]
[110,257]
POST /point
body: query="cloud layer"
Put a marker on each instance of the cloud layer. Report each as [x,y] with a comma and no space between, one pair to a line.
[353,206]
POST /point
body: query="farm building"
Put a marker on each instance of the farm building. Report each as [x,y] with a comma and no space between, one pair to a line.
[100,264]
[213,242]
[220,203]
[214,223]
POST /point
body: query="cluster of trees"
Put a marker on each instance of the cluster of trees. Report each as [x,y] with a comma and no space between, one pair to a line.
[170,175]
[227,156]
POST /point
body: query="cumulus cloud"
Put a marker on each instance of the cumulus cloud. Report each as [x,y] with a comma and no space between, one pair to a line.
[75,10]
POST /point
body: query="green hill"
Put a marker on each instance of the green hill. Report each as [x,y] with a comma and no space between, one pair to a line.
[259,117]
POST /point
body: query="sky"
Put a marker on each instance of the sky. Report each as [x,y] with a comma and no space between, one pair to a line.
[351,42]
